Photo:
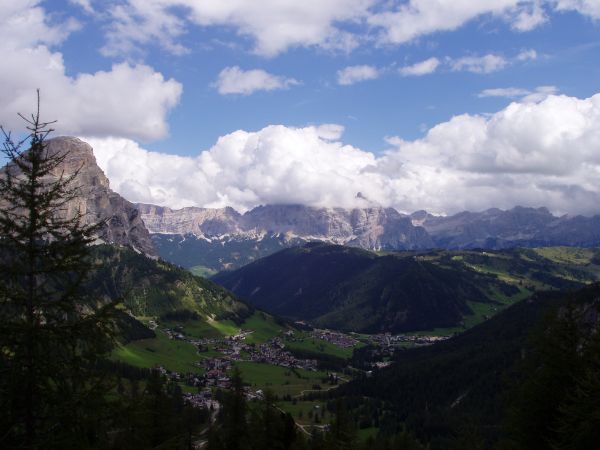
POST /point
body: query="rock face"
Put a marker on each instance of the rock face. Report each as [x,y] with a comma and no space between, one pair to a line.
[97,202]
[497,229]
[219,239]
[204,222]
[369,228]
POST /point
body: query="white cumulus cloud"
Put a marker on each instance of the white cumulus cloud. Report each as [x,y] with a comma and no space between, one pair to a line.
[410,20]
[273,25]
[480,64]
[127,100]
[589,8]
[525,95]
[531,154]
[529,16]
[526,55]
[421,68]
[233,80]
[355,74]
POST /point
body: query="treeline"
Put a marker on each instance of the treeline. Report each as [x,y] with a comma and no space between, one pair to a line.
[261,425]
[59,321]
[529,378]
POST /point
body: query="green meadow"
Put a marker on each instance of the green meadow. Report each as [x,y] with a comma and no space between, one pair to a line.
[172,354]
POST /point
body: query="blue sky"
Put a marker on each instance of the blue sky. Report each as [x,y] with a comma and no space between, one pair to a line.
[171,77]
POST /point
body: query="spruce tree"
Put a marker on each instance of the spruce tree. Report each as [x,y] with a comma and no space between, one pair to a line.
[52,334]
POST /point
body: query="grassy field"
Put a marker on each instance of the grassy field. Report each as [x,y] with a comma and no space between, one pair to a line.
[281,380]
[306,342]
[225,327]
[567,255]
[202,271]
[174,355]
[195,328]
[264,327]
[301,411]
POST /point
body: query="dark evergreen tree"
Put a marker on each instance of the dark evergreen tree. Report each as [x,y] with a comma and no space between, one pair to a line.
[342,432]
[552,368]
[235,427]
[579,421]
[52,335]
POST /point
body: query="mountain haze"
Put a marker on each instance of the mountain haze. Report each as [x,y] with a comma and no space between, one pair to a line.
[496,229]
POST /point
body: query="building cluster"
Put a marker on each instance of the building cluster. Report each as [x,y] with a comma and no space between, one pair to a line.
[335,337]
[215,372]
[273,352]
[201,400]
[389,340]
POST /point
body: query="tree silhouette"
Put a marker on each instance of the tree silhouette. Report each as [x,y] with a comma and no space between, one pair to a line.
[52,333]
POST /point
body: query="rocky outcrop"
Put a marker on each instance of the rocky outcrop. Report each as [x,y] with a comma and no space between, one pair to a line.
[205,222]
[371,228]
[123,224]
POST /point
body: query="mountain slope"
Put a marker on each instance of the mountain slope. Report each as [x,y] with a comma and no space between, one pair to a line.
[154,288]
[470,380]
[352,289]
[356,290]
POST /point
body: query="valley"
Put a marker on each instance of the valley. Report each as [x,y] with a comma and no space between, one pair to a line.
[323,315]
[299,364]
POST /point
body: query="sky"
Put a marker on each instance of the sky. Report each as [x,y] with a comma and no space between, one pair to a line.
[443,105]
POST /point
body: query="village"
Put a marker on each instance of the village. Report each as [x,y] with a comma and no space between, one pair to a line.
[236,348]
[390,340]
[231,349]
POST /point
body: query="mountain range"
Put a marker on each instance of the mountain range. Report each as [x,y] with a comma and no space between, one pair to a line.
[212,240]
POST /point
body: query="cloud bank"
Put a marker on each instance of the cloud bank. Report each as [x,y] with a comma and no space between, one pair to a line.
[127,100]
[530,154]
[275,26]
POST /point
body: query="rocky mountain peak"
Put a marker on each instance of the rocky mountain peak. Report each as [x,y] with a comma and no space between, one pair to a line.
[79,156]
[372,227]
[96,201]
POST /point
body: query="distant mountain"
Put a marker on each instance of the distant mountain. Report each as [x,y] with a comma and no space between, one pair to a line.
[496,229]
[372,228]
[356,290]
[123,223]
[216,239]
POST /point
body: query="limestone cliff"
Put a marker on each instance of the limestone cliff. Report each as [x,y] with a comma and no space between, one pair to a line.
[123,224]
[371,228]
